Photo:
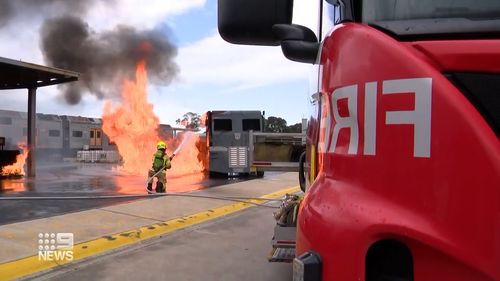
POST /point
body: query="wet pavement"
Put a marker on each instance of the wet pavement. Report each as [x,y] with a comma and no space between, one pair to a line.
[83,179]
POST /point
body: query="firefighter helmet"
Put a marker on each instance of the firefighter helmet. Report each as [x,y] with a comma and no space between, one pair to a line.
[161,145]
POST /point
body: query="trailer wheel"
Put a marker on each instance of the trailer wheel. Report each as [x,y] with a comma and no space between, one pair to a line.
[302,175]
[260,174]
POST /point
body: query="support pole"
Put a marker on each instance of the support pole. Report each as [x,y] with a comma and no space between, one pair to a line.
[31,132]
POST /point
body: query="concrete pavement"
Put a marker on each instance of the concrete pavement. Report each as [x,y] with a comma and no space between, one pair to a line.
[230,248]
[100,230]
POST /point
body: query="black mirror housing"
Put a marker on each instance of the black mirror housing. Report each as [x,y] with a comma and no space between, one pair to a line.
[298,42]
[250,22]
[286,32]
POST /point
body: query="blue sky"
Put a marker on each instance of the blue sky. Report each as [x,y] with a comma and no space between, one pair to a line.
[195,24]
[214,75]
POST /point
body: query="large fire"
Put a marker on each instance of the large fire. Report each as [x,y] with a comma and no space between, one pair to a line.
[17,169]
[133,127]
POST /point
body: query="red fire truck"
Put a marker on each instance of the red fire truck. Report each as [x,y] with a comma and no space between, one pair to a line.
[403,150]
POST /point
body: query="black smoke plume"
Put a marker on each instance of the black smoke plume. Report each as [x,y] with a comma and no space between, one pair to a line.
[5,12]
[105,58]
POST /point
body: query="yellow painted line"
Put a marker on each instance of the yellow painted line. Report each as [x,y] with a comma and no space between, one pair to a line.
[30,265]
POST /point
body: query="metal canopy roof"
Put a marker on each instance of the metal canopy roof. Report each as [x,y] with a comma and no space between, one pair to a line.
[22,75]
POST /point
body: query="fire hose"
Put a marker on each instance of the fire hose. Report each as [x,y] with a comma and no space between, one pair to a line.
[154,194]
[159,171]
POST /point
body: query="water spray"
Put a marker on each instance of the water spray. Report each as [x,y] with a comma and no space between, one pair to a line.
[187,136]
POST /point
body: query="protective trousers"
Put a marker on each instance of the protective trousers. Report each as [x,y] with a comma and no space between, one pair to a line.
[161,184]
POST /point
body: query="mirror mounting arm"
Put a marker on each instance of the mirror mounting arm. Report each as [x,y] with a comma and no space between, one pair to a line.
[298,42]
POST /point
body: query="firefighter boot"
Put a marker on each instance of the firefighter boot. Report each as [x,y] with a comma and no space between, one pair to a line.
[159,187]
[150,187]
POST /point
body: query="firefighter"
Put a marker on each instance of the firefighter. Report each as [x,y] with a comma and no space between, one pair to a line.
[161,162]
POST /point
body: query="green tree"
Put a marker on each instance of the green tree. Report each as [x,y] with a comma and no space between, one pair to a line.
[275,124]
[190,120]
[295,128]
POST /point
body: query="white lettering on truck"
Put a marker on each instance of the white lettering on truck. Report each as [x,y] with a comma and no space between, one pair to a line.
[351,121]
[420,117]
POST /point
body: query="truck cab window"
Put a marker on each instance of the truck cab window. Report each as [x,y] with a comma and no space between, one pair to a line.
[251,124]
[420,17]
[223,125]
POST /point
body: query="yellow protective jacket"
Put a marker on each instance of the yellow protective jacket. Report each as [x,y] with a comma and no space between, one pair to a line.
[161,160]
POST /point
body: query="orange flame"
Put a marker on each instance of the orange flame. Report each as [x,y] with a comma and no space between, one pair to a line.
[133,127]
[133,124]
[17,169]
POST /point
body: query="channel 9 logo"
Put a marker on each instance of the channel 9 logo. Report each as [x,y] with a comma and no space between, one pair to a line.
[55,246]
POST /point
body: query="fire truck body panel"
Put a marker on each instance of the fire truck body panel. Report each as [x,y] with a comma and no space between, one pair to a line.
[441,200]
[403,149]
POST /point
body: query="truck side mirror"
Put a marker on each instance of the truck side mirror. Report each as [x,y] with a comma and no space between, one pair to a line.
[251,22]
[298,42]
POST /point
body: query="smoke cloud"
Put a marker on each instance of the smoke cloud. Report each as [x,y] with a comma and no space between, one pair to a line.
[5,12]
[105,58]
